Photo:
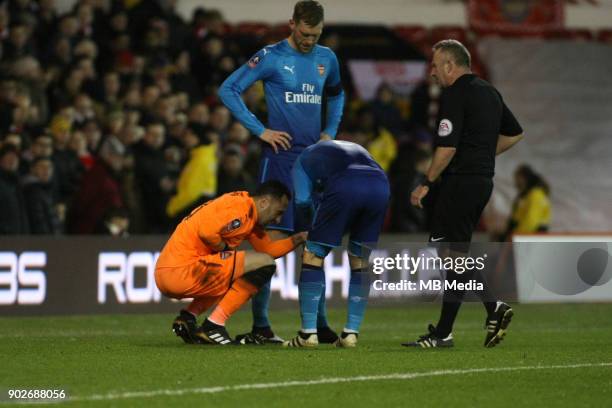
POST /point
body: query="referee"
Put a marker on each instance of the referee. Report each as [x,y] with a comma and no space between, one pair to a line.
[474,126]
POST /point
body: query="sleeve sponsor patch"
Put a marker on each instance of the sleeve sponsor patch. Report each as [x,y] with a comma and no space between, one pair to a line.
[234,225]
[254,61]
[445,128]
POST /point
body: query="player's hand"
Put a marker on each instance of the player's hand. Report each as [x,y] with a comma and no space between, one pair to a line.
[324,137]
[417,195]
[276,138]
[299,238]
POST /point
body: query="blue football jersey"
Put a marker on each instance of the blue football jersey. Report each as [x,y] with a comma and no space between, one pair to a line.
[317,163]
[294,84]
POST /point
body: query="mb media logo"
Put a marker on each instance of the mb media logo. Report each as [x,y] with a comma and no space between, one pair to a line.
[118,270]
[23,274]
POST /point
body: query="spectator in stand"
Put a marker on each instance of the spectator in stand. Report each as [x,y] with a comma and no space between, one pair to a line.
[109,94]
[220,119]
[198,180]
[182,78]
[83,109]
[200,114]
[66,163]
[249,146]
[13,215]
[386,111]
[150,95]
[28,72]
[78,144]
[376,139]
[41,146]
[153,182]
[39,200]
[232,176]
[93,135]
[116,223]
[19,43]
[531,209]
[99,190]
[424,101]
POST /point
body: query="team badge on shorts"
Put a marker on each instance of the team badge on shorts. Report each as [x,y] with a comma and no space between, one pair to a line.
[321,69]
[233,225]
[445,128]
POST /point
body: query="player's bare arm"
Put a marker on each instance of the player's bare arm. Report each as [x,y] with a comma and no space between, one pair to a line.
[506,142]
[442,158]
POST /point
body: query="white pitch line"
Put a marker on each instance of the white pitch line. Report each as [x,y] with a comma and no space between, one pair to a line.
[322,381]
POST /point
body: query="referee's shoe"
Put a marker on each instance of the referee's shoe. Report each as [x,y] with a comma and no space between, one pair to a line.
[497,324]
[431,340]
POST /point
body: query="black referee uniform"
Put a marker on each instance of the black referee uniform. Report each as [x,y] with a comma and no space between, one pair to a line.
[472,115]
[471,118]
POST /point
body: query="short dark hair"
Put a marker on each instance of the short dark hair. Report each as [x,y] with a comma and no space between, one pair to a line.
[457,51]
[273,188]
[308,11]
[532,179]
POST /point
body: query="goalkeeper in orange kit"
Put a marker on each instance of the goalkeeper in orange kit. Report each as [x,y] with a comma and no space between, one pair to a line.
[200,259]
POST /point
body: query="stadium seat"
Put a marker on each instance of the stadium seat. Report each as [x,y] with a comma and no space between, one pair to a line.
[605,36]
[575,34]
[413,34]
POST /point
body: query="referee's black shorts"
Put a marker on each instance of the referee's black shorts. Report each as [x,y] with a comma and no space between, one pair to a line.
[458,206]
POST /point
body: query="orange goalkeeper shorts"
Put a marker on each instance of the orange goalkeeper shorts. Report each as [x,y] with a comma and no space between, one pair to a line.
[210,275]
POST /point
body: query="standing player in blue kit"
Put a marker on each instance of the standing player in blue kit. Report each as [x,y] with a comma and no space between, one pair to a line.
[338,188]
[297,74]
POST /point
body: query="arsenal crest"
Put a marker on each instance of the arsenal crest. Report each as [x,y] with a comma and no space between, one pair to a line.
[321,69]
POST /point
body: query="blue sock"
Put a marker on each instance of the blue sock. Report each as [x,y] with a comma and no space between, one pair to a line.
[359,290]
[311,282]
[259,306]
[322,314]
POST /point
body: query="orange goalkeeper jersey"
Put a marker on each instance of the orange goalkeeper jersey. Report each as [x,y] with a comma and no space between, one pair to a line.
[229,219]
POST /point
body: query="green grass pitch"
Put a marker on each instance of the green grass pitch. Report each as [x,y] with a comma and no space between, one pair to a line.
[553,356]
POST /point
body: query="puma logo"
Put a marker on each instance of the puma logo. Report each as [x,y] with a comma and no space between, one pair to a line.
[290,69]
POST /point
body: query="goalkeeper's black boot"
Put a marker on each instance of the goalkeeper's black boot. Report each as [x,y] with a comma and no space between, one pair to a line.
[326,335]
[497,324]
[184,326]
[259,335]
[211,333]
[431,340]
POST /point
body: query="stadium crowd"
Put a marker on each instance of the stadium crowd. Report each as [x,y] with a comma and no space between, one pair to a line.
[110,121]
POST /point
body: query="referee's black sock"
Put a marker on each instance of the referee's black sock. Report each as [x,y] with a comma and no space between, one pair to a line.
[451,302]
[488,298]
